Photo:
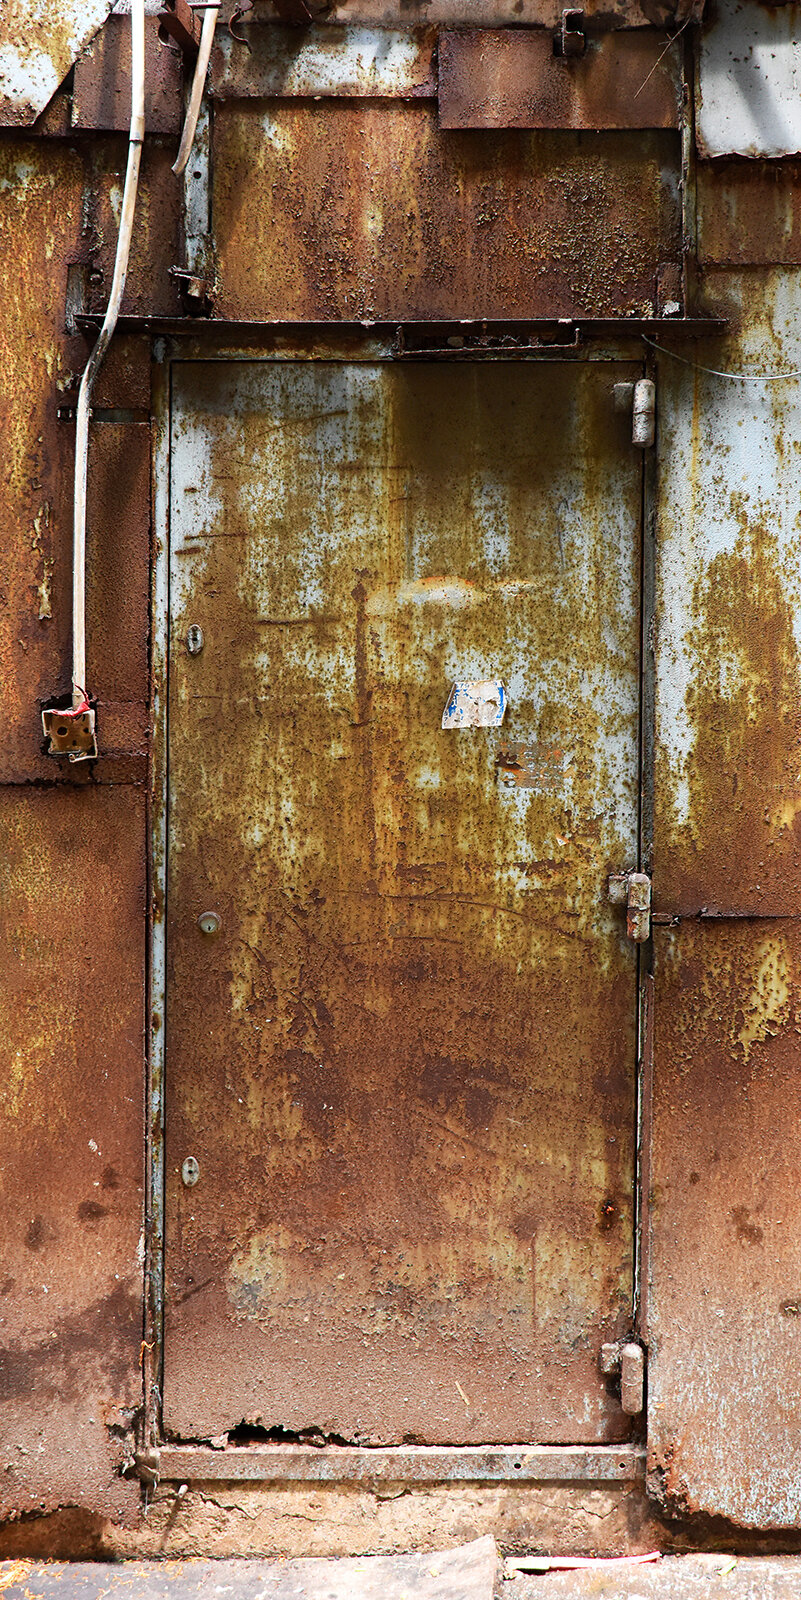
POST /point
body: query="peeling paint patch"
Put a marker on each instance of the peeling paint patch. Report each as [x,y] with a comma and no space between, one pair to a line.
[477,704]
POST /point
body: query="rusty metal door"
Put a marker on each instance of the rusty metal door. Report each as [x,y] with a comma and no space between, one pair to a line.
[401,1013]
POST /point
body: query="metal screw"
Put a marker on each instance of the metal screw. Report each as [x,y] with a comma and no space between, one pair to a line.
[208,922]
[190,1171]
[194,639]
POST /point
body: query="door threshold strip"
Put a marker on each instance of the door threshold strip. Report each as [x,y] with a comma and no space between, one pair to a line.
[298,1463]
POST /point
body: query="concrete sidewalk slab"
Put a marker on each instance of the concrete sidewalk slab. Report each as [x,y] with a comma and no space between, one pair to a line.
[467,1573]
[701,1577]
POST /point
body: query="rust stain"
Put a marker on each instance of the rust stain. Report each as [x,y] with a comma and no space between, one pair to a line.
[326,61]
[52,225]
[405,1063]
[728,673]
[517,13]
[156,244]
[723,1408]
[368,210]
[41,196]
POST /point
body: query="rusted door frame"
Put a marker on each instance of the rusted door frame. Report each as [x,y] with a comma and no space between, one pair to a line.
[541,1463]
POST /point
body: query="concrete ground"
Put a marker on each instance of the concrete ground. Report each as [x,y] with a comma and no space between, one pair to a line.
[473,1571]
[697,1577]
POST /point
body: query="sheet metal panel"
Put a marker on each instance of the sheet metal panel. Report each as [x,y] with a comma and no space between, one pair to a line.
[156,245]
[32,490]
[382,63]
[728,609]
[367,210]
[405,1064]
[41,366]
[39,41]
[512,79]
[749,213]
[749,81]
[71,1016]
[725,1311]
[101,97]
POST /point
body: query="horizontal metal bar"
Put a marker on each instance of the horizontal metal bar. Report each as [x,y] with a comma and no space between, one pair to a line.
[298,1463]
[673,919]
[564,329]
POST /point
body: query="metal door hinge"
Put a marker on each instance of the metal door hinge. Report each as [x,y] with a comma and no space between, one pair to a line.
[640,400]
[629,1360]
[633,890]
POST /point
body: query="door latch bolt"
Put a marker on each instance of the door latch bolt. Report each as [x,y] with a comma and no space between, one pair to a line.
[628,1360]
[633,890]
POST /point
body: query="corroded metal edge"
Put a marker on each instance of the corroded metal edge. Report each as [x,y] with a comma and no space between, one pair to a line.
[152,1351]
[403,1464]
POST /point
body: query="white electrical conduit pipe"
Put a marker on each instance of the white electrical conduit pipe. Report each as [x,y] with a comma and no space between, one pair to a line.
[137,134]
[210,16]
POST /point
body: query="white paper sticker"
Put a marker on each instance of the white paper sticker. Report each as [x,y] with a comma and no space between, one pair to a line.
[477,704]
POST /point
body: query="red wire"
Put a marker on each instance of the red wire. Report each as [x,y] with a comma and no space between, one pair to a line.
[78,711]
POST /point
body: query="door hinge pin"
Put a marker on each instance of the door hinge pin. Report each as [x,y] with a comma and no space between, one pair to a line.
[640,399]
[633,890]
[643,413]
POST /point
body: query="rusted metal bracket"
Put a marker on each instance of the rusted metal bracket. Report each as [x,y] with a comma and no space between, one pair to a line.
[633,890]
[628,1360]
[196,292]
[570,39]
[177,21]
